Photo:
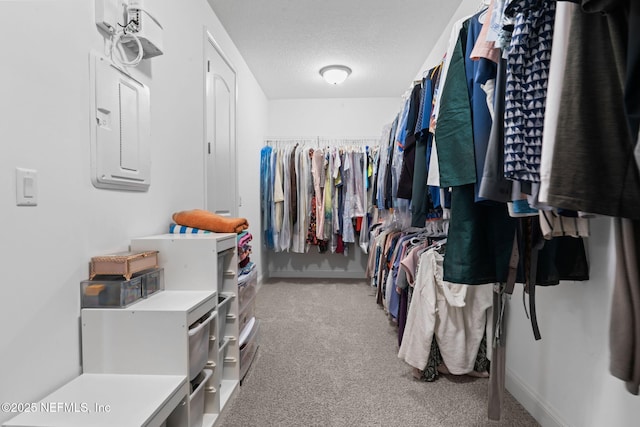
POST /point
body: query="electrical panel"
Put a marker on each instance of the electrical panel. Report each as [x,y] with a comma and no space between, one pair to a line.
[120,128]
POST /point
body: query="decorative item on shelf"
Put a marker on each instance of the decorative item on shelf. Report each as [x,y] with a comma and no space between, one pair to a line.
[123,263]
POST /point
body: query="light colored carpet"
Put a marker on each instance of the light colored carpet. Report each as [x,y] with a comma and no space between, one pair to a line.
[328,357]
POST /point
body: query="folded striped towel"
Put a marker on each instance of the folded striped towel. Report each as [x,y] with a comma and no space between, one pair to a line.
[205,220]
[182,229]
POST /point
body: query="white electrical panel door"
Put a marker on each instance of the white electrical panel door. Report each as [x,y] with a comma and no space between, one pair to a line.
[120,129]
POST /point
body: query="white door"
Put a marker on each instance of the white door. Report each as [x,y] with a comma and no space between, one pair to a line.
[221,186]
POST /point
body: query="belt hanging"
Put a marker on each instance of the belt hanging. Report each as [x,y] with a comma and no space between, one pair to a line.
[537,243]
[514,260]
[531,242]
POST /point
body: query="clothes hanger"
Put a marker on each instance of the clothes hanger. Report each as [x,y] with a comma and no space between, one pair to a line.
[483,8]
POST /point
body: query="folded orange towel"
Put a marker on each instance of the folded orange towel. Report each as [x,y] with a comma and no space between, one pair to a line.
[205,220]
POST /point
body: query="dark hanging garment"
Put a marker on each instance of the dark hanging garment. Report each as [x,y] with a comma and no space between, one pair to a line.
[405,183]
[402,314]
[419,203]
[632,86]
[480,240]
[494,186]
[478,72]
[388,178]
[593,167]
[374,191]
[561,258]
[454,131]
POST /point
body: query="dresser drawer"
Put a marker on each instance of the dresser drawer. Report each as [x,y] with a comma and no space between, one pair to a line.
[248,311]
[248,348]
[247,289]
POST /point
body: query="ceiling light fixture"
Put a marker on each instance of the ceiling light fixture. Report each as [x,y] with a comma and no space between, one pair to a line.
[335,74]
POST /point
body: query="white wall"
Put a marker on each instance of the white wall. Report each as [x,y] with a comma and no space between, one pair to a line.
[332,118]
[564,380]
[466,8]
[44,125]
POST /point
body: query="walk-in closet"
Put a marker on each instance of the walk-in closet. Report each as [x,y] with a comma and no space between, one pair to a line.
[340,213]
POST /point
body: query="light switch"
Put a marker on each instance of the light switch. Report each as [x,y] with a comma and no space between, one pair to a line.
[29,190]
[26,187]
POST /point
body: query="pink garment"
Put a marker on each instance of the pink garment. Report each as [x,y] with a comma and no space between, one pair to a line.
[483,48]
[409,263]
[245,239]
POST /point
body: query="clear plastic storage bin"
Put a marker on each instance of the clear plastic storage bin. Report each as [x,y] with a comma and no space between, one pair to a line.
[110,291]
[152,282]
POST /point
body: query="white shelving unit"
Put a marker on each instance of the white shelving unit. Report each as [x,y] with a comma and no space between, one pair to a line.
[107,400]
[149,337]
[208,263]
[140,360]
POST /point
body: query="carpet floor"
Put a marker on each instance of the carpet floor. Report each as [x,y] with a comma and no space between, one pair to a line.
[327,356]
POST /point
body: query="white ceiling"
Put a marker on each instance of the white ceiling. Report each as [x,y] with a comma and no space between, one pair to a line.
[286,42]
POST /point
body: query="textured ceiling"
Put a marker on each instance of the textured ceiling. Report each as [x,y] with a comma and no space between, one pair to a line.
[286,42]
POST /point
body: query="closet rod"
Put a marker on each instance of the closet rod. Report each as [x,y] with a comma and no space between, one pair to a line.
[318,141]
[321,138]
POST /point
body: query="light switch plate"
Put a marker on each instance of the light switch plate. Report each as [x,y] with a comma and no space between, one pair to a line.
[26,187]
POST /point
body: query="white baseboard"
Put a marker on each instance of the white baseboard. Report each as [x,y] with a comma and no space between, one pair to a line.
[532,402]
[316,274]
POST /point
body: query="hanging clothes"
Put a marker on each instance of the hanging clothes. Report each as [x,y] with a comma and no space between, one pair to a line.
[456,315]
[494,186]
[405,181]
[624,326]
[562,35]
[423,152]
[266,189]
[303,205]
[586,174]
[315,196]
[453,133]
[478,73]
[528,59]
